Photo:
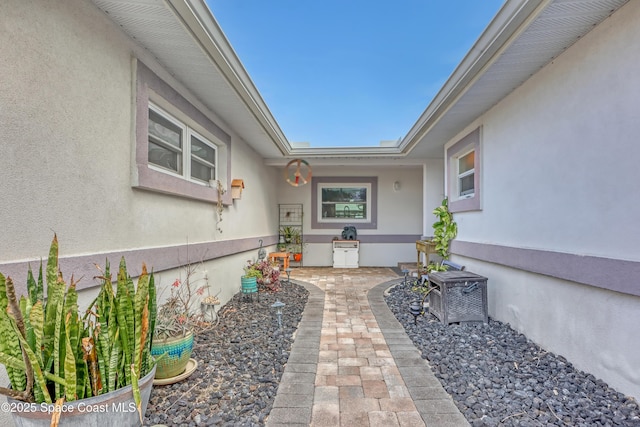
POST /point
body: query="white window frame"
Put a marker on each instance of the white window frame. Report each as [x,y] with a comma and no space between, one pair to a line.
[322,219]
[185,154]
[454,151]
[460,176]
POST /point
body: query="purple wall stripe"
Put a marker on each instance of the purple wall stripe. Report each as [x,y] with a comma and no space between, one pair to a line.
[158,259]
[365,238]
[606,273]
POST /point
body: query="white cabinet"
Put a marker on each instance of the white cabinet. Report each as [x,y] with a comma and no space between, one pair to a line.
[346,253]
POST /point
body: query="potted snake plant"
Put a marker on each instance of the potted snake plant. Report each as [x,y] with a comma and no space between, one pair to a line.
[64,366]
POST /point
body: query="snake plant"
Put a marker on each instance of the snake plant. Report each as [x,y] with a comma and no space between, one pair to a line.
[51,354]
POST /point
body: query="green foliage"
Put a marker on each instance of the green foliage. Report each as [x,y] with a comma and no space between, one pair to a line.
[50,352]
[290,234]
[252,270]
[444,229]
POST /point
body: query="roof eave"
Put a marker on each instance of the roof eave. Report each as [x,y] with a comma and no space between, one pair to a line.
[508,23]
[197,17]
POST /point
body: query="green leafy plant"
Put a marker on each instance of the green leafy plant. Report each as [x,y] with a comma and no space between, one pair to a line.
[53,355]
[444,229]
[290,234]
[267,274]
[252,270]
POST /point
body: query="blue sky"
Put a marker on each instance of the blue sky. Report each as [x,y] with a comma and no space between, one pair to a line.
[350,72]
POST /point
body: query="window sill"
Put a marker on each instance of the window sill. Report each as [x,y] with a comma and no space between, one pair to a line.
[160,182]
[465,204]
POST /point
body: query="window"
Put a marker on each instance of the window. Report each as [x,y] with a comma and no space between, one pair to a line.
[345,201]
[195,160]
[179,149]
[340,201]
[466,172]
[463,173]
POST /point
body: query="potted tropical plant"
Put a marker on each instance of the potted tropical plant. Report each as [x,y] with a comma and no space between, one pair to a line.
[265,273]
[290,233]
[444,229]
[179,319]
[62,366]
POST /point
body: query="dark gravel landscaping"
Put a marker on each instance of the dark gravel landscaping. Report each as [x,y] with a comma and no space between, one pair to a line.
[497,377]
[240,363]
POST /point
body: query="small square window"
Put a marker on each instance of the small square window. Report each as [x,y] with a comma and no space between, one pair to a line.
[466,175]
[463,172]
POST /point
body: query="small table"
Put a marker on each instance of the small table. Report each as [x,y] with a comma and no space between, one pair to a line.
[425,247]
[280,255]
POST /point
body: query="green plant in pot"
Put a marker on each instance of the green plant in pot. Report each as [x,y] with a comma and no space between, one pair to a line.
[444,229]
[55,358]
[179,320]
[290,234]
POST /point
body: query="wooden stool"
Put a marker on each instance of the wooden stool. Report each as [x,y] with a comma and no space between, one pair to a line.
[277,255]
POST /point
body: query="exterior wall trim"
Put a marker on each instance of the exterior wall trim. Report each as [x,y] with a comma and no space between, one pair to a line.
[365,238]
[607,273]
[158,259]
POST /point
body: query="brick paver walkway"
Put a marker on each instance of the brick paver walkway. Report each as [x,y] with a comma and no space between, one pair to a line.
[346,370]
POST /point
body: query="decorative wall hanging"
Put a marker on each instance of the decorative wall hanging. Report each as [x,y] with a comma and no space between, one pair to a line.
[297,178]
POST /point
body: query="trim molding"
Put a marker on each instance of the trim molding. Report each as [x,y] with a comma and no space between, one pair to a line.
[365,238]
[158,259]
[607,273]
[372,203]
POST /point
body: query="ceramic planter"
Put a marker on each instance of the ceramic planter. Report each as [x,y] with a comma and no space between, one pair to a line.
[178,351]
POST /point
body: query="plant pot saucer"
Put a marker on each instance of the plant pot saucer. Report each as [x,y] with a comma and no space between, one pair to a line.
[192,364]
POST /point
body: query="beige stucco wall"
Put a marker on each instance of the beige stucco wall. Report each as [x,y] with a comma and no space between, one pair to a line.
[559,173]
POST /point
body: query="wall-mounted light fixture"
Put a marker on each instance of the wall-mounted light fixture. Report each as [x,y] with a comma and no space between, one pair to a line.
[396,186]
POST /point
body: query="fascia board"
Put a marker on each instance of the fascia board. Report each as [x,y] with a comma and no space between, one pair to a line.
[512,19]
[197,18]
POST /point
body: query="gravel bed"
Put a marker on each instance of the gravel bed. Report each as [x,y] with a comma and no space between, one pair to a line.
[497,377]
[240,362]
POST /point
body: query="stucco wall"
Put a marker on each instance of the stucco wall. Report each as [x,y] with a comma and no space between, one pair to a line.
[559,174]
[400,213]
[67,122]
[68,84]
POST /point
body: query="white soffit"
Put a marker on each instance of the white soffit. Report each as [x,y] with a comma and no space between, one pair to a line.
[198,55]
[208,67]
[559,25]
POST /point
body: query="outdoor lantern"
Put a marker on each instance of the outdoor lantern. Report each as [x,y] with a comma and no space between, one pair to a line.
[406,274]
[415,308]
[288,271]
[277,306]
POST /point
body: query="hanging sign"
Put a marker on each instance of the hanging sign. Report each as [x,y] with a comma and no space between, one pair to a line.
[295,174]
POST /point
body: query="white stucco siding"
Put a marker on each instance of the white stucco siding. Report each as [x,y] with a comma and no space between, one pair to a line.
[593,328]
[68,96]
[66,124]
[559,174]
[559,154]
